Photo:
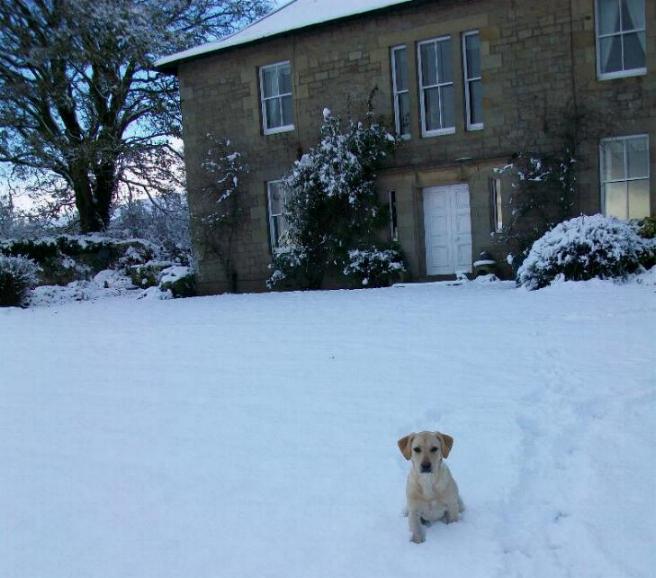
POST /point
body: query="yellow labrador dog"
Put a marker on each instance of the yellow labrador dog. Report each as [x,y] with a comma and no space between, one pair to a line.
[431,491]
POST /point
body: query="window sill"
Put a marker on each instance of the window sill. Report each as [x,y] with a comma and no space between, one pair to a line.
[279,129]
[622,74]
[280,249]
[440,132]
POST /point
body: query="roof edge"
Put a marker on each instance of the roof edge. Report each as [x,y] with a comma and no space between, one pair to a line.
[169,64]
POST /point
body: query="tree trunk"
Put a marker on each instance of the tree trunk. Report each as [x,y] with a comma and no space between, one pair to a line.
[105,186]
[93,199]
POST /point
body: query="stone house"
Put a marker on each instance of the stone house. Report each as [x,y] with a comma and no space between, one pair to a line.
[466,83]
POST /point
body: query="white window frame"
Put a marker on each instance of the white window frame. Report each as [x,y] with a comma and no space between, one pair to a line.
[627,180]
[263,99]
[468,79]
[598,36]
[396,92]
[275,245]
[422,88]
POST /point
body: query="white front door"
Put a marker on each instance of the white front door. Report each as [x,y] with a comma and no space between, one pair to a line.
[447,227]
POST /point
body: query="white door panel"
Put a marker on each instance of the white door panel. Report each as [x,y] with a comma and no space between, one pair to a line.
[447,223]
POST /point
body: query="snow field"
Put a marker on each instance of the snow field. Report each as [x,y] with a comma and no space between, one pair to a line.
[255,435]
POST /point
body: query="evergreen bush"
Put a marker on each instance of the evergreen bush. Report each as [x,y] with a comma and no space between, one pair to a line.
[586,247]
[374,267]
[648,228]
[17,276]
[180,280]
[67,258]
[332,205]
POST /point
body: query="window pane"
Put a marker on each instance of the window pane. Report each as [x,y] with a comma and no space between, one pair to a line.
[273,118]
[638,199]
[609,16]
[283,228]
[611,53]
[499,211]
[428,71]
[634,50]
[446,94]
[275,231]
[498,206]
[473,55]
[401,69]
[633,14]
[445,68]
[637,152]
[394,230]
[275,198]
[616,200]
[269,81]
[475,102]
[404,113]
[287,111]
[612,161]
[432,109]
[284,79]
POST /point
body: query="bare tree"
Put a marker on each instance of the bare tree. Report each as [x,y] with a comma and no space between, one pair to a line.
[81,105]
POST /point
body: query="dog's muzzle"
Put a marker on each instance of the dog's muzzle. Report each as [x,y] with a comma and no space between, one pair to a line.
[426,468]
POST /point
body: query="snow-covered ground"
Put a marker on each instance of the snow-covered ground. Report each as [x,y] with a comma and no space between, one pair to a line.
[254,436]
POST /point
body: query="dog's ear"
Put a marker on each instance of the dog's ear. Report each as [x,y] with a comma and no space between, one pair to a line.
[447,443]
[405,445]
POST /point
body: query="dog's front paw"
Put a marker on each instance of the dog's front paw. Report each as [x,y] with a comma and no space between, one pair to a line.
[451,517]
[418,538]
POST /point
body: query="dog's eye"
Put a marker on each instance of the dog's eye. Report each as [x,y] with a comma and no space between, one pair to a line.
[416,450]
[433,450]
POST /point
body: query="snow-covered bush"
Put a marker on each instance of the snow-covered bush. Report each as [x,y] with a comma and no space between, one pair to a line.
[17,276]
[374,267]
[584,248]
[66,258]
[332,205]
[291,270]
[179,280]
[543,188]
[147,275]
[648,228]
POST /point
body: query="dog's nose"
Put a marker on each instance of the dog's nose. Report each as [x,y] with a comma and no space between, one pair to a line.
[425,468]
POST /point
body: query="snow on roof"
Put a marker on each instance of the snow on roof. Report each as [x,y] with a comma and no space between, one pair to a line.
[292,16]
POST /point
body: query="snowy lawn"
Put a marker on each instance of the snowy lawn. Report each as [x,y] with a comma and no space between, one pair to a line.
[254,436]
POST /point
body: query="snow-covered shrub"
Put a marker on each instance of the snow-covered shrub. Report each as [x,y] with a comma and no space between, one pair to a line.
[66,258]
[179,280]
[17,276]
[135,255]
[648,228]
[291,270]
[332,205]
[584,248]
[543,188]
[148,274]
[374,267]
